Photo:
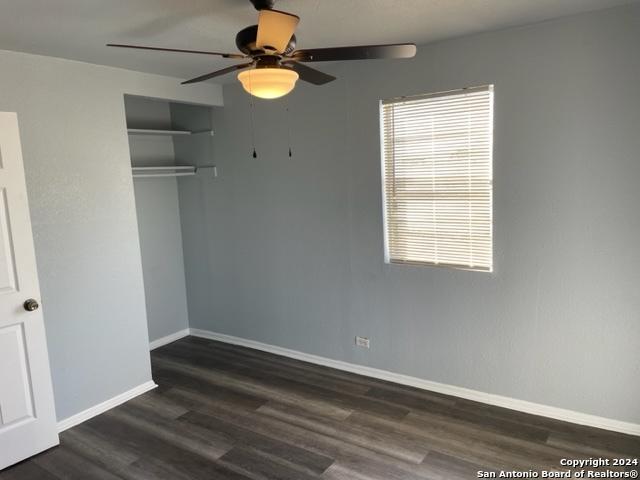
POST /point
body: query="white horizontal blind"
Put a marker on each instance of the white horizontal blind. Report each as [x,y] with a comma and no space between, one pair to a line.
[437,166]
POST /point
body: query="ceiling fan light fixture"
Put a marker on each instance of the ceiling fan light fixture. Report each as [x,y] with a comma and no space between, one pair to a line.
[268,83]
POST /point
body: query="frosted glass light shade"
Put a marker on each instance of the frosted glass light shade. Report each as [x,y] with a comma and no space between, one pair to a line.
[268,82]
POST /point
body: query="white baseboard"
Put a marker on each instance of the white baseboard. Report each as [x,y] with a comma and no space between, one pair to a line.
[85,415]
[488,398]
[168,339]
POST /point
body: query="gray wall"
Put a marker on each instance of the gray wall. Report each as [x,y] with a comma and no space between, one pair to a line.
[76,156]
[158,220]
[294,247]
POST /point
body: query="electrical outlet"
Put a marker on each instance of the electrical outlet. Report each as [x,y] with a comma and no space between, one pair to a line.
[362,342]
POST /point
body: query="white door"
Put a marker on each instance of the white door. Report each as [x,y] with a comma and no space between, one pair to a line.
[27,414]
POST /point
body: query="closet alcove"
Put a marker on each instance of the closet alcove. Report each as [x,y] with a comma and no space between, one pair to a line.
[171,147]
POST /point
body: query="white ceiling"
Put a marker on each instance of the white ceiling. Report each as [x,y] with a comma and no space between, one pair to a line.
[79,29]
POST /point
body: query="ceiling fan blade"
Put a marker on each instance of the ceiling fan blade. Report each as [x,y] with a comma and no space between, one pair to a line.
[309,74]
[217,73]
[178,50]
[275,29]
[364,52]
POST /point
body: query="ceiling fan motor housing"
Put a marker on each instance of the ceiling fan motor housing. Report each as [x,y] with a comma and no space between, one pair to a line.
[246,41]
[263,4]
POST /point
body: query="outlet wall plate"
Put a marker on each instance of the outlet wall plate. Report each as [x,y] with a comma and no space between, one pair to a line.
[363,342]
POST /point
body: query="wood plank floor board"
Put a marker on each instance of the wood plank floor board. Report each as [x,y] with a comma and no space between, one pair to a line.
[598,441]
[245,436]
[304,390]
[482,446]
[456,444]
[157,449]
[446,467]
[304,368]
[66,464]
[621,441]
[158,404]
[393,444]
[154,469]
[223,391]
[92,446]
[168,470]
[110,456]
[608,445]
[263,389]
[354,469]
[227,412]
[27,470]
[300,437]
[207,443]
[256,464]
[454,413]
[266,366]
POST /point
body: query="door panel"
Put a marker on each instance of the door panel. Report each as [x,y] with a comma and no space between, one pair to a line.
[16,403]
[27,414]
[8,280]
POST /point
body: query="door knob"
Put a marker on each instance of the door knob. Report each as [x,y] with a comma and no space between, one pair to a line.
[31,305]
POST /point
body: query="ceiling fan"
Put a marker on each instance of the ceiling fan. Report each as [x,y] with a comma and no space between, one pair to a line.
[275,65]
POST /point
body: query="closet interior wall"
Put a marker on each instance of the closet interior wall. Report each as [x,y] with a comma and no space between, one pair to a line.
[199,198]
[158,203]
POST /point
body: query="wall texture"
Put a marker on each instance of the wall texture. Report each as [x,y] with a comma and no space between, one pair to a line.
[72,125]
[294,246]
[158,220]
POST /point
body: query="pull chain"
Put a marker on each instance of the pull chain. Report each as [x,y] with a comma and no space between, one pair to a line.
[253,134]
[288,127]
[251,107]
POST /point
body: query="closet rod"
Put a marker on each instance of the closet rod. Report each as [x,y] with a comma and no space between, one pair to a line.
[167,167]
[171,171]
[155,175]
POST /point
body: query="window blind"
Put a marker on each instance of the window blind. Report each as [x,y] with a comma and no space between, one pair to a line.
[437,169]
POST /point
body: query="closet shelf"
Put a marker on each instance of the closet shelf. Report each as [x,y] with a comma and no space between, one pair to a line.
[151,131]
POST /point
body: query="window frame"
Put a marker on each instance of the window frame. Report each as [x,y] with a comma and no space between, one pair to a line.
[387,251]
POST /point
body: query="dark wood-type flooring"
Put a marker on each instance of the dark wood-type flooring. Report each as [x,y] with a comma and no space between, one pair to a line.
[226,412]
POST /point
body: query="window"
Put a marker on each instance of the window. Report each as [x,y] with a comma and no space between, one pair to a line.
[437,178]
